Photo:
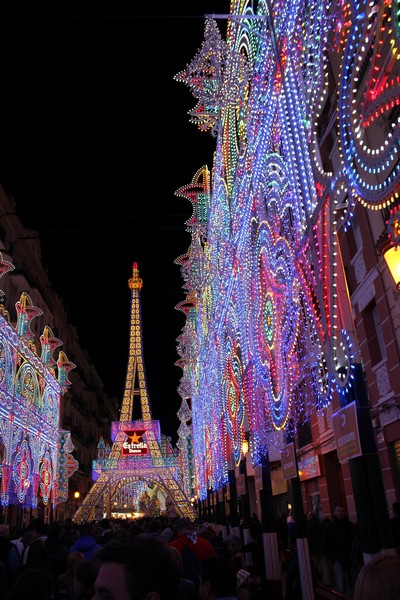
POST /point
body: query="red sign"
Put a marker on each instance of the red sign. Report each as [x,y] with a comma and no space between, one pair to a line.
[134,444]
[345,429]
[288,460]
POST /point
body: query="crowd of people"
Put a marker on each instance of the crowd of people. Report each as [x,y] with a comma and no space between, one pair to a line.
[178,559]
[335,552]
[148,558]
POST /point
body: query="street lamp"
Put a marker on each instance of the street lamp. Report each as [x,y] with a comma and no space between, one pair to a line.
[389,244]
[391,254]
[76,496]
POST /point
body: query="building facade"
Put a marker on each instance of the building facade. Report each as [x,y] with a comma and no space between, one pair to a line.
[84,411]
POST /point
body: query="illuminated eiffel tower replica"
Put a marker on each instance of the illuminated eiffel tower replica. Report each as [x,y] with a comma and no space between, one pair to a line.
[139,452]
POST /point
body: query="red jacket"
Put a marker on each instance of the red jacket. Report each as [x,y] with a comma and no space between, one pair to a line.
[202,548]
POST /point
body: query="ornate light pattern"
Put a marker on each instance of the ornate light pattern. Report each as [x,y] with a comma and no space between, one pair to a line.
[266,344]
[34,466]
[158,464]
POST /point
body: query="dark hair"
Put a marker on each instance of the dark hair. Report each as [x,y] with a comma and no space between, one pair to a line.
[220,573]
[38,556]
[148,563]
[85,574]
[182,524]
[54,530]
[35,584]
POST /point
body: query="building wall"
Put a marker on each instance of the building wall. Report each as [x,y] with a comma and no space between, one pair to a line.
[86,410]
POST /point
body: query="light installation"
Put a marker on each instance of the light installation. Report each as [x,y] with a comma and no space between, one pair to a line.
[265,342]
[141,458]
[33,448]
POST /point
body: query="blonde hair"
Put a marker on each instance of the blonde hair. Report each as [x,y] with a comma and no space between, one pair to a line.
[379,578]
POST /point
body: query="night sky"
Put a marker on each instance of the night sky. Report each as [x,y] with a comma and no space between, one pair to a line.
[95,140]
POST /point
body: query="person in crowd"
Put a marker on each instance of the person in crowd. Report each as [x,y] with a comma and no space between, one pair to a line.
[325,563]
[69,534]
[315,530]
[3,579]
[234,547]
[282,535]
[39,532]
[37,557]
[290,525]
[186,535]
[84,577]
[65,582]
[9,554]
[86,542]
[256,547]
[167,533]
[187,589]
[104,531]
[32,584]
[16,539]
[217,579]
[57,552]
[136,568]
[193,548]
[395,526]
[39,527]
[209,533]
[379,578]
[338,544]
[293,581]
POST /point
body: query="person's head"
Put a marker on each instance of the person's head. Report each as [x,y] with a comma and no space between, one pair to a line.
[379,578]
[233,544]
[85,574]
[137,568]
[311,515]
[217,578]
[4,531]
[184,526]
[35,584]
[396,509]
[38,555]
[73,560]
[68,524]
[28,537]
[54,531]
[85,528]
[39,526]
[339,511]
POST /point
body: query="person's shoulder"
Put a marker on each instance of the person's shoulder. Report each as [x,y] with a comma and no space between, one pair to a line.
[177,543]
[207,545]
[204,541]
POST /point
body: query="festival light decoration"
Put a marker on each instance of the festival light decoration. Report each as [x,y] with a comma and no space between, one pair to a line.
[264,339]
[34,468]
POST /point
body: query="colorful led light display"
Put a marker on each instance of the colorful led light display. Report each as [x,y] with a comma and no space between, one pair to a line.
[264,344]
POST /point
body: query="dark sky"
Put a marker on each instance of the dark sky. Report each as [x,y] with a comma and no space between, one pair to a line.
[94,142]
